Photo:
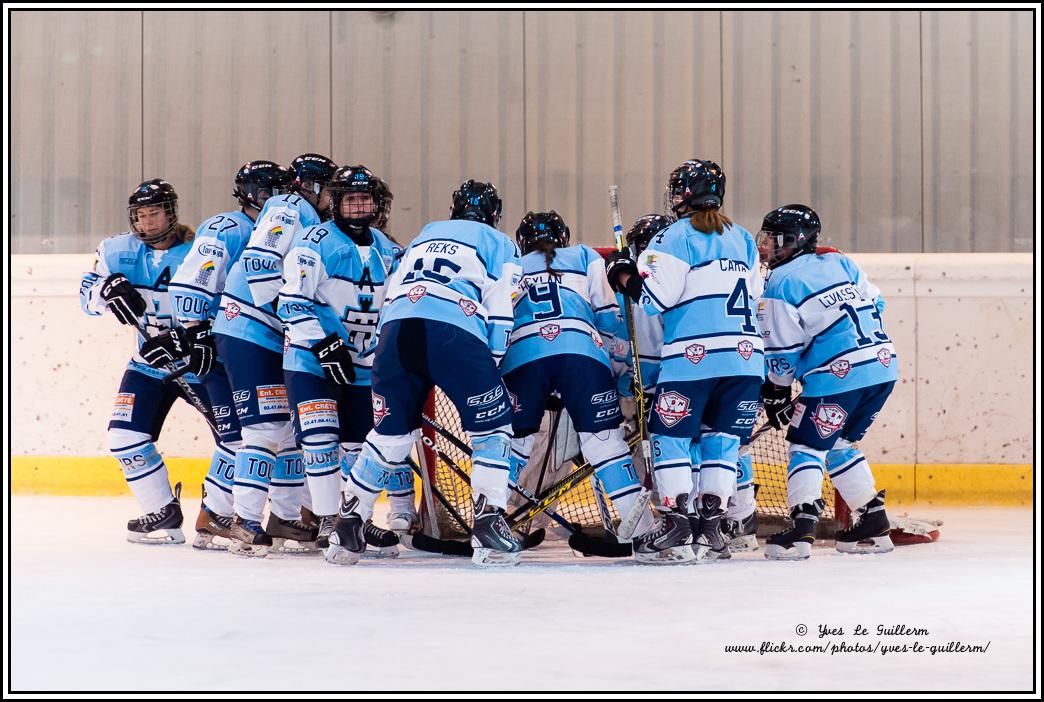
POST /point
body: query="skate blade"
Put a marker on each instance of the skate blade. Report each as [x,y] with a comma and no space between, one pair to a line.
[876,544]
[676,555]
[210,542]
[800,551]
[289,547]
[382,552]
[171,537]
[741,544]
[337,555]
[703,554]
[491,558]
[238,548]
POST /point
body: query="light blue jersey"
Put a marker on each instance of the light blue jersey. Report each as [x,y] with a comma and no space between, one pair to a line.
[333,285]
[705,287]
[459,272]
[197,285]
[574,312]
[821,320]
[150,271]
[649,330]
[247,309]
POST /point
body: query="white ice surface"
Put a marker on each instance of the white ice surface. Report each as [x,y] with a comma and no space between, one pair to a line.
[92,612]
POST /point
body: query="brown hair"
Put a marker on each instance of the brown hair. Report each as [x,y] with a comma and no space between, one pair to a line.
[548,249]
[709,221]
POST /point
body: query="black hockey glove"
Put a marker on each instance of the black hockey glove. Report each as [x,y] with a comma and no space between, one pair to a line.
[335,359]
[166,348]
[778,407]
[195,345]
[619,263]
[202,349]
[122,299]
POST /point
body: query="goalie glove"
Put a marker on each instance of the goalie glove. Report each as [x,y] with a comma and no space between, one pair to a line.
[335,359]
[125,303]
[778,407]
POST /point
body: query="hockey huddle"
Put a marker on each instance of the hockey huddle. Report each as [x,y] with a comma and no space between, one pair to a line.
[311,340]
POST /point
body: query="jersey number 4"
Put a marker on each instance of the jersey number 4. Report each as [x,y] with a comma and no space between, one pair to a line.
[738,305]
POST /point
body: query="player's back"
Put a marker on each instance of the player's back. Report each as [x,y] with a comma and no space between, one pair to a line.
[824,322]
[569,310]
[218,245]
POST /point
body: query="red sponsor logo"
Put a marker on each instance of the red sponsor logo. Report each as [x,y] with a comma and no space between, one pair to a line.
[380,408]
[840,368]
[745,349]
[231,311]
[829,419]
[467,306]
[695,353]
[550,332]
[672,407]
[885,357]
[416,292]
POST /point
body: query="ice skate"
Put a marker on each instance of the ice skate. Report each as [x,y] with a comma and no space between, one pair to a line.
[870,529]
[708,541]
[385,541]
[291,536]
[248,538]
[669,542]
[795,543]
[491,538]
[213,531]
[403,522]
[347,542]
[742,534]
[325,528]
[160,527]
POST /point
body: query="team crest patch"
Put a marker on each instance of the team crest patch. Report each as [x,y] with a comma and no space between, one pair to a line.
[597,339]
[829,419]
[885,357]
[416,292]
[286,343]
[745,349]
[550,332]
[840,368]
[467,306]
[695,353]
[672,407]
[231,311]
[380,408]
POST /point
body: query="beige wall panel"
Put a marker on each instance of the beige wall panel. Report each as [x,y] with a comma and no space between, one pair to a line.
[75,127]
[428,100]
[222,88]
[616,97]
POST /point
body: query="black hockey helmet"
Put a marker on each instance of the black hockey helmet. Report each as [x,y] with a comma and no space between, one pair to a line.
[787,232]
[256,181]
[695,185]
[153,193]
[383,199]
[347,180]
[537,227]
[644,229]
[311,171]
[478,202]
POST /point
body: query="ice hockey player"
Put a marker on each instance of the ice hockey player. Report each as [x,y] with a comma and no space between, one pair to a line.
[130,279]
[194,292]
[336,277]
[248,330]
[566,317]
[702,276]
[446,322]
[822,325]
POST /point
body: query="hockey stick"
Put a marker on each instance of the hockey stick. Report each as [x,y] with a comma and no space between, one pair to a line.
[186,389]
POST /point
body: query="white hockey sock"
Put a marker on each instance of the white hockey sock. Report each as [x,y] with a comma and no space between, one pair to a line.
[143,468]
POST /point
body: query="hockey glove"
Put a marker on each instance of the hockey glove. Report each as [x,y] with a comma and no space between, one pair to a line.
[335,359]
[202,349]
[162,350]
[194,345]
[126,303]
[778,407]
[618,264]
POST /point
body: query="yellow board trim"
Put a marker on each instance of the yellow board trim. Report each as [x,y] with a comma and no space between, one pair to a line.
[940,484]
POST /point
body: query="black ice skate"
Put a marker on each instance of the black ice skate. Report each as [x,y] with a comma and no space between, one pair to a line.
[347,543]
[708,541]
[670,541]
[870,529]
[795,544]
[248,538]
[385,541]
[160,527]
[213,531]
[326,527]
[491,538]
[742,534]
[300,536]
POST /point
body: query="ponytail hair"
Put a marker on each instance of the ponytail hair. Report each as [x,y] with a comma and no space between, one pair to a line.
[709,221]
[548,249]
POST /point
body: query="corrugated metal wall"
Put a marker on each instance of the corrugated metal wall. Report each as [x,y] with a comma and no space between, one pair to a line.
[908,131]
